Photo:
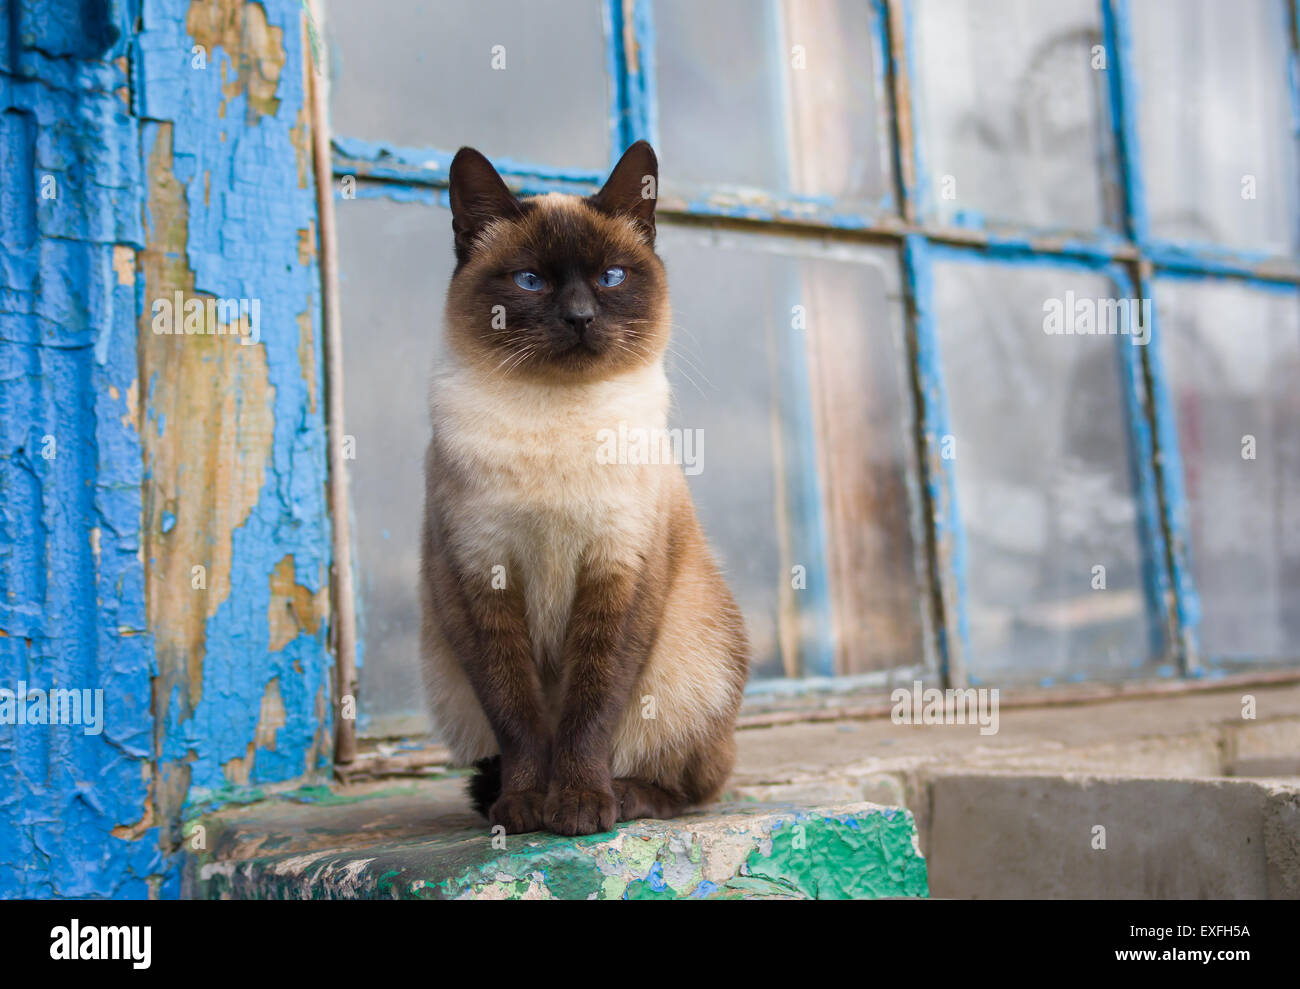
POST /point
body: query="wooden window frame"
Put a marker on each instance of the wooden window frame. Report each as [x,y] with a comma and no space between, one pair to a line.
[900,221]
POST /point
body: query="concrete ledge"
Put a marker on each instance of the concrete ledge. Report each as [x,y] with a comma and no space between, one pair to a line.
[1149,769]
[998,836]
[418,842]
[1198,735]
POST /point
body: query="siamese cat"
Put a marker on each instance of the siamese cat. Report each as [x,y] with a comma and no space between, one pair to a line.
[580,645]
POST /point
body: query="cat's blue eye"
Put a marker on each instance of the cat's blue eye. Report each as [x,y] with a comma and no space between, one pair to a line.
[611,276]
[529,281]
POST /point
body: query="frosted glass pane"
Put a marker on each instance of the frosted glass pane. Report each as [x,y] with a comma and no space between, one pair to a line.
[395,261]
[805,422]
[1040,451]
[420,73]
[1218,142]
[771,95]
[1232,356]
[1013,117]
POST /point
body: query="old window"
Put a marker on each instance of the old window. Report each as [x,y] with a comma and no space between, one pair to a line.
[992,335]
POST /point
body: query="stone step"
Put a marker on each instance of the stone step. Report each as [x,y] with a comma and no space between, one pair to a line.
[1075,836]
[421,842]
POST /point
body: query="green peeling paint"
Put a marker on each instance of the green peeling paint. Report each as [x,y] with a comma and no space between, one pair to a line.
[326,797]
[842,858]
[860,851]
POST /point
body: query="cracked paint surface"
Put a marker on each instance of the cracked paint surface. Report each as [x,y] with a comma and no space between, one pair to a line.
[855,851]
[74,808]
[233,433]
[169,452]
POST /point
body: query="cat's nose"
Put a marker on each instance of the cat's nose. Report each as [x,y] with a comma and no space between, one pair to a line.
[580,317]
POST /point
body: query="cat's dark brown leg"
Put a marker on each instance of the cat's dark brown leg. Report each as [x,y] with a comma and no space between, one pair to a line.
[611,626]
[504,678]
[488,628]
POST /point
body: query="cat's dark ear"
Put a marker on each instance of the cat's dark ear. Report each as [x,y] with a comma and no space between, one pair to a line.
[478,196]
[632,188]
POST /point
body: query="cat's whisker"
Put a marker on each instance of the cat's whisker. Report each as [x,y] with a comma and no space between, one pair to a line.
[514,360]
[686,359]
[526,352]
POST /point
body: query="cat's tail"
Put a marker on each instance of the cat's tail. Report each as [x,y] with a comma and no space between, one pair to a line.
[485,785]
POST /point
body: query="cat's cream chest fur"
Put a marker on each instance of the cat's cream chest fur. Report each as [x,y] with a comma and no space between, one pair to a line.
[538,497]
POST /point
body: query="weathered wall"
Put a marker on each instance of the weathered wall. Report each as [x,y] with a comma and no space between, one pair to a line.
[74,816]
[178,139]
[233,435]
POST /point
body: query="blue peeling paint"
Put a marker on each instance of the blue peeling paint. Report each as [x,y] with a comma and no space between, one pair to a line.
[1157,579]
[1174,497]
[71,582]
[76,131]
[433,165]
[1207,259]
[635,95]
[243,243]
[883,68]
[1117,36]
[938,474]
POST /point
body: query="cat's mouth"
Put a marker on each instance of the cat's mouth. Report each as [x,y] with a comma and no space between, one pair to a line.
[580,349]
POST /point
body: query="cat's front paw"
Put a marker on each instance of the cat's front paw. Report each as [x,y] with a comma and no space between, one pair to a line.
[580,809]
[519,811]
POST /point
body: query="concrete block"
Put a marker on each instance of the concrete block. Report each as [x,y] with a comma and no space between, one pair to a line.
[1282,842]
[1002,836]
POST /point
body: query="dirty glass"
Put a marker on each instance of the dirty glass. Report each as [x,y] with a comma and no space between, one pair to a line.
[444,73]
[788,358]
[1014,121]
[395,261]
[1040,453]
[1215,121]
[1232,359]
[771,96]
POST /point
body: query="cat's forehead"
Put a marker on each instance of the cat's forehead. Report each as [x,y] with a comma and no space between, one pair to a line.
[559,228]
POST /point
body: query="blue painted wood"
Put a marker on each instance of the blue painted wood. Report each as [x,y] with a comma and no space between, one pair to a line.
[249,205]
[938,472]
[1164,424]
[1152,525]
[90,91]
[74,804]
[1117,32]
[430,166]
[631,60]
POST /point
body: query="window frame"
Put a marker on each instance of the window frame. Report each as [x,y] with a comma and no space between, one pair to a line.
[1130,255]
